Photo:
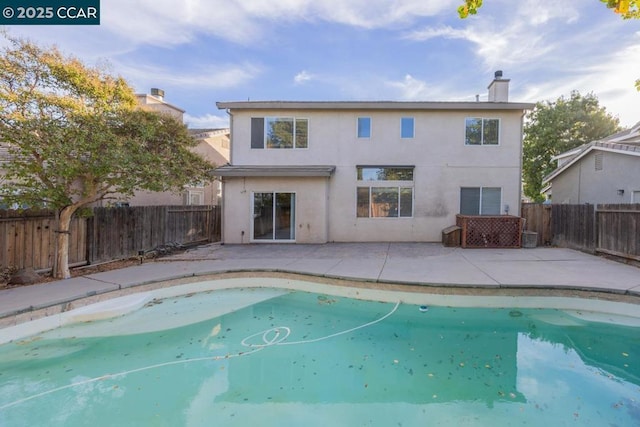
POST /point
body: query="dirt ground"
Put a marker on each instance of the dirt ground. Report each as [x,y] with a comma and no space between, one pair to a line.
[5,274]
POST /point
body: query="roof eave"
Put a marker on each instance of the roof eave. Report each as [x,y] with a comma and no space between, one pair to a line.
[371,105]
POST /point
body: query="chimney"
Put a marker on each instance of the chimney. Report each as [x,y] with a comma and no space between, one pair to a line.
[499,88]
[157,93]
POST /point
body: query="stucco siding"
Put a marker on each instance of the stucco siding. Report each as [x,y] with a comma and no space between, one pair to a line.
[441,160]
[582,183]
[310,207]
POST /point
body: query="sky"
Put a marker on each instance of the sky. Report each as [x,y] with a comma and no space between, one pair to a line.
[204,51]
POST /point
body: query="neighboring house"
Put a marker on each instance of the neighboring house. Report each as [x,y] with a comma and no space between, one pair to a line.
[315,172]
[213,145]
[604,171]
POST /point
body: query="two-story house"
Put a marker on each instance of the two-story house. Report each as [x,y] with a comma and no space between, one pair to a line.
[316,172]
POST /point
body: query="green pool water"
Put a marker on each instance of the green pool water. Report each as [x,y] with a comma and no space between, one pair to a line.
[304,359]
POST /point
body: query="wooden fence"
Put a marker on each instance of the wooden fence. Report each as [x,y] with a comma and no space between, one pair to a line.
[618,230]
[573,226]
[538,219]
[27,238]
[609,229]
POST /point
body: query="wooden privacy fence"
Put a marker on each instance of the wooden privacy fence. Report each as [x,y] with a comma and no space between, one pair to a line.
[27,238]
[612,229]
[618,230]
[573,226]
[537,218]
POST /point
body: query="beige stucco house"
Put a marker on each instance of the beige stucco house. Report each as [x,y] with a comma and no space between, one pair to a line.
[315,172]
[603,171]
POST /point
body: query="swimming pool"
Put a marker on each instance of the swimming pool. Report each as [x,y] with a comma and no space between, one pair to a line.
[271,356]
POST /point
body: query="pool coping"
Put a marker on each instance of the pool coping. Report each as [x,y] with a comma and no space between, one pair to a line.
[40,319]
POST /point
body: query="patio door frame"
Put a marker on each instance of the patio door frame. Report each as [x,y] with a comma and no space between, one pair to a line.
[274,217]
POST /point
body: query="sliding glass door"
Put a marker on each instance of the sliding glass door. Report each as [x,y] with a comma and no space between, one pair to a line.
[274,216]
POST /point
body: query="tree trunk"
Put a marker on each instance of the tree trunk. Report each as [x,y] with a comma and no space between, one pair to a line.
[61,270]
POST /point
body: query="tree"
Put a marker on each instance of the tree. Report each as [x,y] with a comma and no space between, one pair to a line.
[76,135]
[552,128]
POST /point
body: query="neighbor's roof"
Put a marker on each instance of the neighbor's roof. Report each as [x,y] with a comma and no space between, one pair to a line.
[371,105]
[274,171]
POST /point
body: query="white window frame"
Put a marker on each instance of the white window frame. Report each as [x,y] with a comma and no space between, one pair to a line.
[191,193]
[482,143]
[295,122]
[398,185]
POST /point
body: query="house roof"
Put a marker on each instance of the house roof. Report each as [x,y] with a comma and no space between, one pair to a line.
[371,105]
[261,171]
[580,152]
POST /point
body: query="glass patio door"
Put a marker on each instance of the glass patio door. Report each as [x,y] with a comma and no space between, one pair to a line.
[274,216]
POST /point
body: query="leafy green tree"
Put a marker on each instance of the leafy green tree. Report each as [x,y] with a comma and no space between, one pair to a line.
[76,135]
[552,128]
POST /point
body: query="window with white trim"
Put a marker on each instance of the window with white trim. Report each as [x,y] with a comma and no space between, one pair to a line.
[384,192]
[480,200]
[481,131]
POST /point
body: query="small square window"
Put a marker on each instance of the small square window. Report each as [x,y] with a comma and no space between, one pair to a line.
[406,127]
[364,127]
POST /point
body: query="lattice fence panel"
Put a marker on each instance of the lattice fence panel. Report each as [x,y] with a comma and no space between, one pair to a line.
[490,231]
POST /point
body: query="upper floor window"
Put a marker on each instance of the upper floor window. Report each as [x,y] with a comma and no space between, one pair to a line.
[406,127]
[279,132]
[479,131]
[364,127]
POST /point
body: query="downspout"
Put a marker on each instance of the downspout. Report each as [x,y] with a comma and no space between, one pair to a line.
[222,180]
[519,213]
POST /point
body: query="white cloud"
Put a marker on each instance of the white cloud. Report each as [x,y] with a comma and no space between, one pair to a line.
[207,121]
[411,89]
[302,77]
[610,77]
[218,76]
[169,22]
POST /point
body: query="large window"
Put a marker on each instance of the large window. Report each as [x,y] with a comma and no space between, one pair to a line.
[480,131]
[274,216]
[407,127]
[384,192]
[480,200]
[279,132]
[364,127]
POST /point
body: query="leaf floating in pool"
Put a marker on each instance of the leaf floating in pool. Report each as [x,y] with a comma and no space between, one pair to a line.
[515,313]
[625,354]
